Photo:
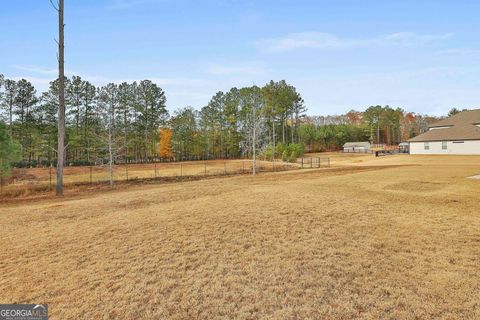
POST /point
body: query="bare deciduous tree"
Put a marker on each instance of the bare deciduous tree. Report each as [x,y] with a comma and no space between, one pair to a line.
[113,145]
[253,124]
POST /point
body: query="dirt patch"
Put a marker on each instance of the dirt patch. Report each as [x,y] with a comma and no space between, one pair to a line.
[415,186]
[21,176]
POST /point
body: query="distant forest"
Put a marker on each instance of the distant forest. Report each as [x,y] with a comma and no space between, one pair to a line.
[131,120]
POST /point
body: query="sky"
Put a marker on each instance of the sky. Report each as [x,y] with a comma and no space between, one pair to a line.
[423,56]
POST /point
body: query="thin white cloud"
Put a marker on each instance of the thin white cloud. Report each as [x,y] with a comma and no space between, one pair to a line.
[180,91]
[179,81]
[127,4]
[41,76]
[37,69]
[45,71]
[428,90]
[228,70]
[458,52]
[321,40]
[50,74]
[432,90]
[41,84]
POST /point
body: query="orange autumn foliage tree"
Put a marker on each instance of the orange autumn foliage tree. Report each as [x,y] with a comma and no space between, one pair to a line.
[165,146]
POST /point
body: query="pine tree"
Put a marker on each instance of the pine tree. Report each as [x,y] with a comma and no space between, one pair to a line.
[24,102]
[8,101]
[152,113]
[9,151]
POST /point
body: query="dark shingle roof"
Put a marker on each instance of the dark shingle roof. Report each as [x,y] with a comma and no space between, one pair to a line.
[462,126]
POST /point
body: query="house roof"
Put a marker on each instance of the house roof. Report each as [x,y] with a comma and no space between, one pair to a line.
[462,126]
[357,144]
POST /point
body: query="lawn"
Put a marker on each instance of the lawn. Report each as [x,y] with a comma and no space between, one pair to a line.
[396,237]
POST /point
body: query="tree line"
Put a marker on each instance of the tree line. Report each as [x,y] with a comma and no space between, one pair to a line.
[232,122]
[124,123]
[381,125]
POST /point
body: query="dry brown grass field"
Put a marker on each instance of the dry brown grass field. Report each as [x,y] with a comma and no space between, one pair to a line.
[396,237]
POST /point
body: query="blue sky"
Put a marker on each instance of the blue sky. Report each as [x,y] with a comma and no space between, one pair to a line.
[423,56]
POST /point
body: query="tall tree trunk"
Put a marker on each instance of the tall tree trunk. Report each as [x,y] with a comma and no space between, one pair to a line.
[378,132]
[11,117]
[213,145]
[146,145]
[296,126]
[146,134]
[291,128]
[110,157]
[61,101]
[125,123]
[254,165]
[85,132]
[273,135]
[77,118]
[221,142]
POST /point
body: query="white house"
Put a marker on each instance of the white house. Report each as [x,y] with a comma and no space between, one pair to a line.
[459,134]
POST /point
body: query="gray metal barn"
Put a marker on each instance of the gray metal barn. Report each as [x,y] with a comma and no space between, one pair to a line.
[357,147]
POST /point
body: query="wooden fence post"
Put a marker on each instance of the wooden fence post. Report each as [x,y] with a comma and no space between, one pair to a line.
[50,175]
[155,168]
[302,163]
[90,175]
[319,161]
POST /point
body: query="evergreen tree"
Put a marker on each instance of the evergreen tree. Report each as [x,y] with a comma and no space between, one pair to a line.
[9,151]
[184,129]
[152,113]
[24,102]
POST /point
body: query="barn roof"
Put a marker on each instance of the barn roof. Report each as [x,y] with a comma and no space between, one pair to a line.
[357,145]
[462,126]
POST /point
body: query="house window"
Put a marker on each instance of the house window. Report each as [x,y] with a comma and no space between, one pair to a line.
[427,146]
[444,145]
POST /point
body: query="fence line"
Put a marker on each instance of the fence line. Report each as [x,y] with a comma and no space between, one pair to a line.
[314,162]
[34,178]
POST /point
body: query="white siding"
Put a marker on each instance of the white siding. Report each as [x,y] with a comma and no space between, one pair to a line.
[468,147]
